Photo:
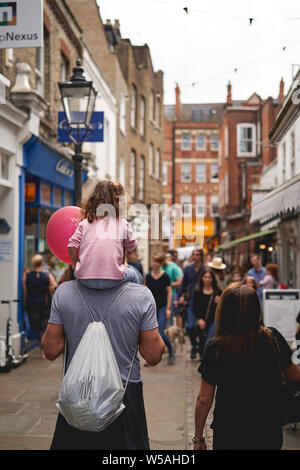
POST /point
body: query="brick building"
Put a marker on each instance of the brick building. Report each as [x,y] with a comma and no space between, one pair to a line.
[190,167]
[244,149]
[142,160]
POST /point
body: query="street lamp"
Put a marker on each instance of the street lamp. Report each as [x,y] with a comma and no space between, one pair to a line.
[78,98]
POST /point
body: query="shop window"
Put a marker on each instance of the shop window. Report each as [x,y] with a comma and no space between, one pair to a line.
[57,196]
[45,194]
[68,199]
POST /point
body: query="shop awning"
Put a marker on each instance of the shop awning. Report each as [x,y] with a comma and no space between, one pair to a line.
[238,241]
[282,199]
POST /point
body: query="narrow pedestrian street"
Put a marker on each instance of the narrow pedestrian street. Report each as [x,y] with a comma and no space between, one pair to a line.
[28,412]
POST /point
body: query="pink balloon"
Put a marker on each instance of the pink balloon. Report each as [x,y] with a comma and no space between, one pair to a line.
[61,226]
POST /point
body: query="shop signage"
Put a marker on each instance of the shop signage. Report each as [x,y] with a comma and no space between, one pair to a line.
[65,168]
[281,307]
[21,24]
[96,133]
[6,250]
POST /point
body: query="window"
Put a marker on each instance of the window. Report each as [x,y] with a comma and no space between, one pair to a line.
[186,203]
[57,197]
[165,174]
[4,161]
[283,162]
[133,107]
[214,206]
[158,113]
[197,114]
[214,142]
[200,142]
[200,205]
[151,107]
[214,169]
[157,164]
[68,199]
[142,179]
[293,156]
[132,173]
[122,171]
[45,194]
[142,116]
[151,160]
[200,172]
[185,172]
[64,68]
[246,139]
[185,142]
[122,114]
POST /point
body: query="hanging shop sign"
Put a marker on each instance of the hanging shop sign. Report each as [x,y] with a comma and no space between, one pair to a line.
[21,24]
[95,134]
[281,307]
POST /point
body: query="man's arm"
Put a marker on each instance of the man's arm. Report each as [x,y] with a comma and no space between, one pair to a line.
[151,346]
[53,341]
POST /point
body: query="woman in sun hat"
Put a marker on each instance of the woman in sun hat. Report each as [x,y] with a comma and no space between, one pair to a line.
[218,268]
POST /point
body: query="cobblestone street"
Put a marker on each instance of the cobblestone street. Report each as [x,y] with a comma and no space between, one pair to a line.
[28,412]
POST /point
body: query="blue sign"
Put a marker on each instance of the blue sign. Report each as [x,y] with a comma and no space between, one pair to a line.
[95,134]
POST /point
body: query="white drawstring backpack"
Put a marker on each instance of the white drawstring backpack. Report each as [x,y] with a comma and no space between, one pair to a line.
[91,393]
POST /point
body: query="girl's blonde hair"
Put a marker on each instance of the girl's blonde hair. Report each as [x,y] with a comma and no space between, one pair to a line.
[105,192]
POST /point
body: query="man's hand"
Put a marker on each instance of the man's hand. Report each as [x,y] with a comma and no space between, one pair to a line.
[201,324]
[200,446]
[181,300]
[168,313]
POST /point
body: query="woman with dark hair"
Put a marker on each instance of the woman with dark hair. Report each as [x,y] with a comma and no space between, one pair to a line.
[242,363]
[206,297]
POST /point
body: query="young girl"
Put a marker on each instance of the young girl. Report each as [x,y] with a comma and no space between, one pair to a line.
[270,280]
[98,245]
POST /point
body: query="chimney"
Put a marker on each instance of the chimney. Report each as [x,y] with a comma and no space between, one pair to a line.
[229,99]
[117,28]
[281,91]
[178,104]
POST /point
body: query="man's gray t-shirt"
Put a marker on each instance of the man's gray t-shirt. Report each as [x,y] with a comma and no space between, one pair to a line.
[133,312]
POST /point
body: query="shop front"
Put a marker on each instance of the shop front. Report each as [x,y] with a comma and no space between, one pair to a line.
[48,186]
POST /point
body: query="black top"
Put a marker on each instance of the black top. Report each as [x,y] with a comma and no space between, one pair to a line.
[248,391]
[201,304]
[37,285]
[158,288]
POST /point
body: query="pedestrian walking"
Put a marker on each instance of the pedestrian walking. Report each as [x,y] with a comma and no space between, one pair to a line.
[206,298]
[270,280]
[174,256]
[235,276]
[242,364]
[97,248]
[38,289]
[257,271]
[132,260]
[218,268]
[159,284]
[175,274]
[131,323]
[186,293]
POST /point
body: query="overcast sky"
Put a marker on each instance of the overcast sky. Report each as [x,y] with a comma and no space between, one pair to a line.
[202,48]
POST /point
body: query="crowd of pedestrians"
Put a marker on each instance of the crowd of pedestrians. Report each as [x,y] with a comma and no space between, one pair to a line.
[220,313]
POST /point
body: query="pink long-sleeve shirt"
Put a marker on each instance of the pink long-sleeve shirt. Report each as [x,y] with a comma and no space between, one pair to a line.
[101,246]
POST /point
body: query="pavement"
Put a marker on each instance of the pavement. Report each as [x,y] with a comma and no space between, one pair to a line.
[29,392]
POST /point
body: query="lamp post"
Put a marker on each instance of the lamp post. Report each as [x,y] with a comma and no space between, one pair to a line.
[78,98]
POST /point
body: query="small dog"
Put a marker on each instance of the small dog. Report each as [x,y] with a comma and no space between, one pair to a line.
[174,332]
